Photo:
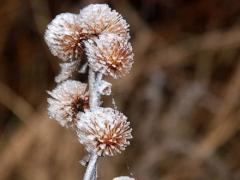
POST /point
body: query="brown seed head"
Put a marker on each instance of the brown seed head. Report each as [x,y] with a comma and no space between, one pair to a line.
[67,100]
[110,55]
[64,37]
[104,131]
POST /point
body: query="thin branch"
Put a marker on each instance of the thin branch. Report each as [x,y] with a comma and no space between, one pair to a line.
[19,106]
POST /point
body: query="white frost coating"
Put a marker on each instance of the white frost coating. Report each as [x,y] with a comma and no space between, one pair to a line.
[123,178]
[63,37]
[67,70]
[104,88]
[99,18]
[104,131]
[110,55]
[66,101]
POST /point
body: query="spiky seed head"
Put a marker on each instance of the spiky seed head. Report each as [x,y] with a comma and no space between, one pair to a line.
[110,55]
[99,18]
[104,131]
[64,37]
[67,100]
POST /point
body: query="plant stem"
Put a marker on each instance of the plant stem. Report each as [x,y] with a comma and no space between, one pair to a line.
[91,173]
[94,102]
[94,95]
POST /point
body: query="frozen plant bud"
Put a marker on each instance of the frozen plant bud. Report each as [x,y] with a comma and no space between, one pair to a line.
[64,37]
[99,18]
[66,101]
[123,178]
[110,55]
[104,131]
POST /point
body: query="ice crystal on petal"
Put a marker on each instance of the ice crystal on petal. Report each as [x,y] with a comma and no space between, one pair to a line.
[66,101]
[64,37]
[104,131]
[99,18]
[110,55]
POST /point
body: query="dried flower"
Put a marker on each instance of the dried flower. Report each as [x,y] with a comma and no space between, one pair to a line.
[110,55]
[67,100]
[99,18]
[64,37]
[102,34]
[104,131]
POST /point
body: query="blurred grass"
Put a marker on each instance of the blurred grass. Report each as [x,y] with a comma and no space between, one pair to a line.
[182,96]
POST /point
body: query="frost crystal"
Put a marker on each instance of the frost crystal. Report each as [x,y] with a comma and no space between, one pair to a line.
[66,101]
[99,18]
[104,131]
[64,35]
[109,55]
[104,88]
[67,70]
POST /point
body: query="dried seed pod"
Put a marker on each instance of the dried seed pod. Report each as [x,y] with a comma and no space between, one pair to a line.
[99,18]
[104,131]
[66,101]
[64,37]
[109,55]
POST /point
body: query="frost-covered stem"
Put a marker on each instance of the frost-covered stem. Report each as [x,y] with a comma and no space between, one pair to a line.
[94,101]
[94,97]
[91,173]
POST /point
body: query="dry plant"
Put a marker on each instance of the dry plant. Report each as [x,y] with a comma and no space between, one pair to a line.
[182,95]
[96,42]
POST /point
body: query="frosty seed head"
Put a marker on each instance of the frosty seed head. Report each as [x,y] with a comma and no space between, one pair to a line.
[64,35]
[66,101]
[100,28]
[99,18]
[104,131]
[109,55]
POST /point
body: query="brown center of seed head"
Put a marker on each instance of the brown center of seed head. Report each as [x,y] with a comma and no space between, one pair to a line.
[80,104]
[73,43]
[110,137]
[114,65]
[114,62]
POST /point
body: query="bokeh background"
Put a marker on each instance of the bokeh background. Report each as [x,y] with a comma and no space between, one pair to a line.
[182,95]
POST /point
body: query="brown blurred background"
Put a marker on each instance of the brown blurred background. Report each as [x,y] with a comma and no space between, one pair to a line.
[182,95]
